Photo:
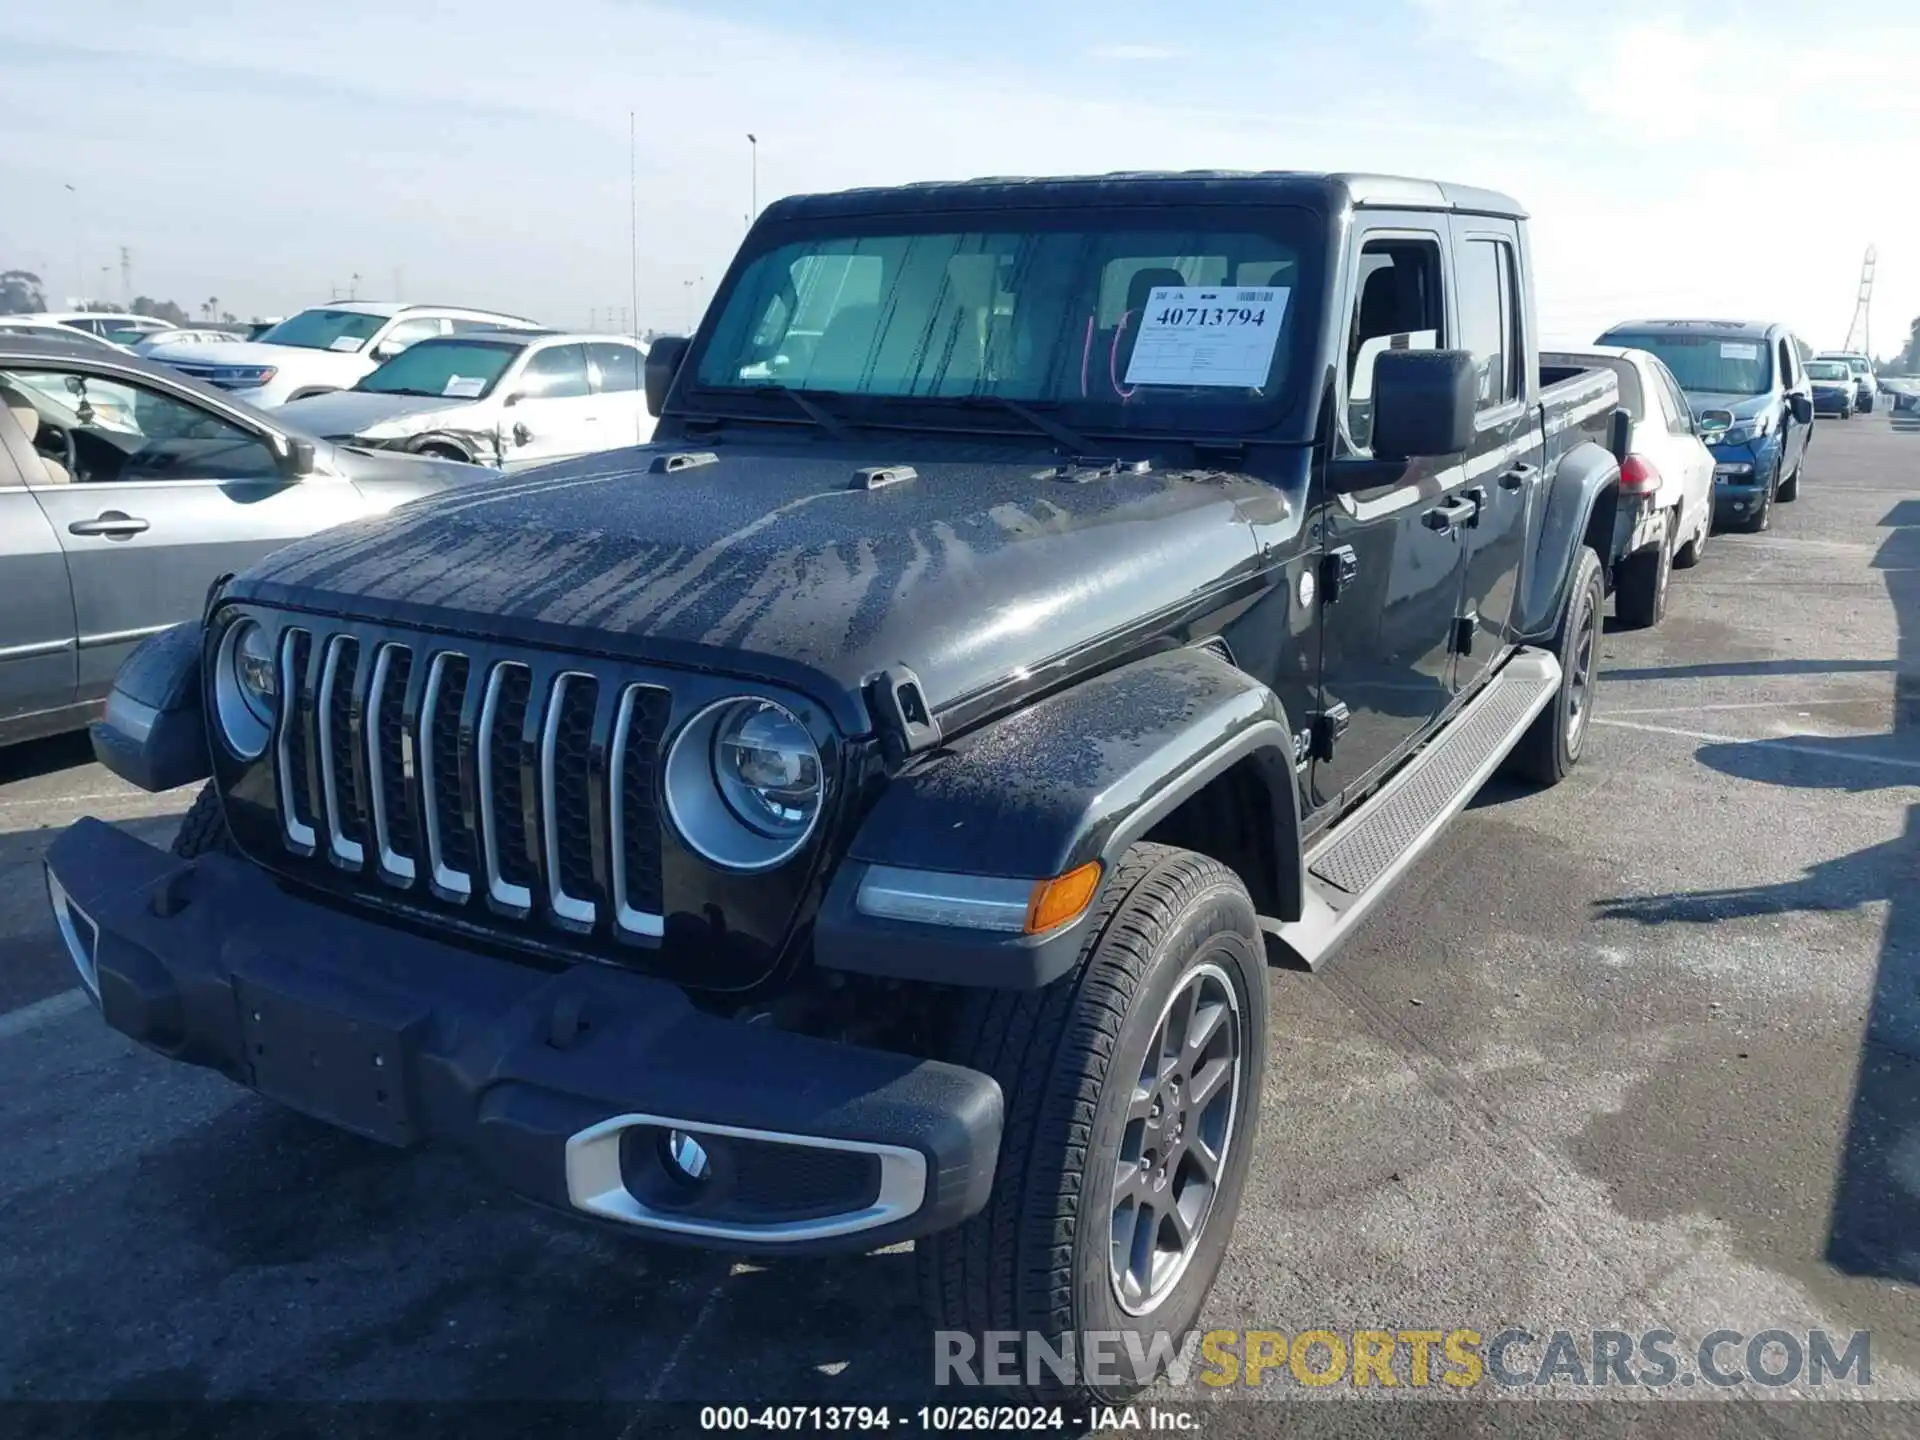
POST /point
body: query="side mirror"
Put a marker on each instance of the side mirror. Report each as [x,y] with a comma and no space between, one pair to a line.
[1802,408]
[514,399]
[1620,433]
[387,349]
[297,461]
[663,363]
[1423,403]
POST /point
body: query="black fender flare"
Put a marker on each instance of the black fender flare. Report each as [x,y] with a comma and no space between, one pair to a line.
[1075,777]
[1578,508]
[154,733]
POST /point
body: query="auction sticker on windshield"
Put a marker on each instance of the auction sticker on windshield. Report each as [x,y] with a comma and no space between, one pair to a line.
[463,387]
[1738,350]
[1201,335]
[344,342]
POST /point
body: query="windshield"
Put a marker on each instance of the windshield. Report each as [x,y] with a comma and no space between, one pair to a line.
[1151,322]
[1828,370]
[1712,364]
[455,369]
[325,330]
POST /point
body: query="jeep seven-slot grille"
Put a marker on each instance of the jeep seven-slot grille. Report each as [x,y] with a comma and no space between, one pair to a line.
[495,783]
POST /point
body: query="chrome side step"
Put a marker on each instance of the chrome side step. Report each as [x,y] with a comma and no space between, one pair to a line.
[1357,862]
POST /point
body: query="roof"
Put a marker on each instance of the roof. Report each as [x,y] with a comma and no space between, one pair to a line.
[59,317]
[390,308]
[1325,191]
[1758,329]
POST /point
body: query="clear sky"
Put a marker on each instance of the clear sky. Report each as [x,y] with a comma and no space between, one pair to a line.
[1733,158]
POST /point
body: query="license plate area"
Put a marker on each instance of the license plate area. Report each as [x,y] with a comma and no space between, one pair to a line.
[342,1061]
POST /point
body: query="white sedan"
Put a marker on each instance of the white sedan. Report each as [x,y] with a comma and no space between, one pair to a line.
[511,399]
[1665,513]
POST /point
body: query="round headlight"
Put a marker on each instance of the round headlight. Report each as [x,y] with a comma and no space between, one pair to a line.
[767,768]
[744,783]
[246,688]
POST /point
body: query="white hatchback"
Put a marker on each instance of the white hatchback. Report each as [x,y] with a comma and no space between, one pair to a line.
[1665,513]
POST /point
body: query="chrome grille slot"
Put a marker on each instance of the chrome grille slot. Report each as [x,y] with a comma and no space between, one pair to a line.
[567,799]
[460,775]
[338,761]
[295,796]
[390,762]
[449,842]
[638,886]
[501,778]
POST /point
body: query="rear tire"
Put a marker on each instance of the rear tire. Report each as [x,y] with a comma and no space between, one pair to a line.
[1551,747]
[1691,553]
[1641,596]
[1085,1109]
[203,830]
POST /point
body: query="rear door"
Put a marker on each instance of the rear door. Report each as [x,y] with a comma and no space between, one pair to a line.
[615,372]
[1503,467]
[156,495]
[1393,554]
[36,618]
[1682,455]
[551,411]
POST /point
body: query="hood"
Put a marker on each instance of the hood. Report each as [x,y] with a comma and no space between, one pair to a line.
[354,412]
[1743,407]
[247,352]
[769,563]
[393,477]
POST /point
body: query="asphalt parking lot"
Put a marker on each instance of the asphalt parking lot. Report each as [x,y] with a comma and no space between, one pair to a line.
[1639,1052]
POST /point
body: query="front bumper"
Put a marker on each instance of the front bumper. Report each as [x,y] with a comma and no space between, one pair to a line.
[1741,473]
[573,1088]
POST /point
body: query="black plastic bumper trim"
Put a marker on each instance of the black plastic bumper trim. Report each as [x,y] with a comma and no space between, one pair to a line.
[415,1040]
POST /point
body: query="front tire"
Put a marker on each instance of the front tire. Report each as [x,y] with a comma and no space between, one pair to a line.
[1641,596]
[1761,518]
[1552,745]
[1119,1126]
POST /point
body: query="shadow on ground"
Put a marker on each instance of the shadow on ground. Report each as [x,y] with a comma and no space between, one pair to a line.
[1874,1227]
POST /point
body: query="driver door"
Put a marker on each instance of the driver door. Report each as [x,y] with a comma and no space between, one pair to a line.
[550,412]
[153,494]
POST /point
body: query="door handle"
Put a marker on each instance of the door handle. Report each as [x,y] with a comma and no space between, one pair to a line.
[114,524]
[1518,476]
[1462,510]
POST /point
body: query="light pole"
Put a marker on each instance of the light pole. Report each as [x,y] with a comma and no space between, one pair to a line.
[79,266]
[753,154]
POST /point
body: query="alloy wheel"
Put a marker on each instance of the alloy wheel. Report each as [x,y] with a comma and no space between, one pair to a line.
[1179,1127]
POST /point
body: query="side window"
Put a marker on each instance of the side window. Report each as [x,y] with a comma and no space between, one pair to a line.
[1680,412]
[615,367]
[557,373]
[1398,305]
[1488,323]
[90,430]
[459,325]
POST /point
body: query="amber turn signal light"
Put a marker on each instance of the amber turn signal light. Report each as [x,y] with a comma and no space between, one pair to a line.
[1062,898]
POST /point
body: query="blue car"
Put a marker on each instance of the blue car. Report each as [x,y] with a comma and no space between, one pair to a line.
[1752,399]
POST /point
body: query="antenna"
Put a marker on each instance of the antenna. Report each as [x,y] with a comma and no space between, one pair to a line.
[1860,331]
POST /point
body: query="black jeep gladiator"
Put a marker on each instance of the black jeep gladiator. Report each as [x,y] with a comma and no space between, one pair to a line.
[868,811]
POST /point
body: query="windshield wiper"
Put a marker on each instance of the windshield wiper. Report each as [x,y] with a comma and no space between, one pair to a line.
[816,412]
[1075,442]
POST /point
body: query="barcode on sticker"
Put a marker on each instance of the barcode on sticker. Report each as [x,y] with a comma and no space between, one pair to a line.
[1255,297]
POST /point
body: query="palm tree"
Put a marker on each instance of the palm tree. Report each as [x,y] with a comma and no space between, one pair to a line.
[208,310]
